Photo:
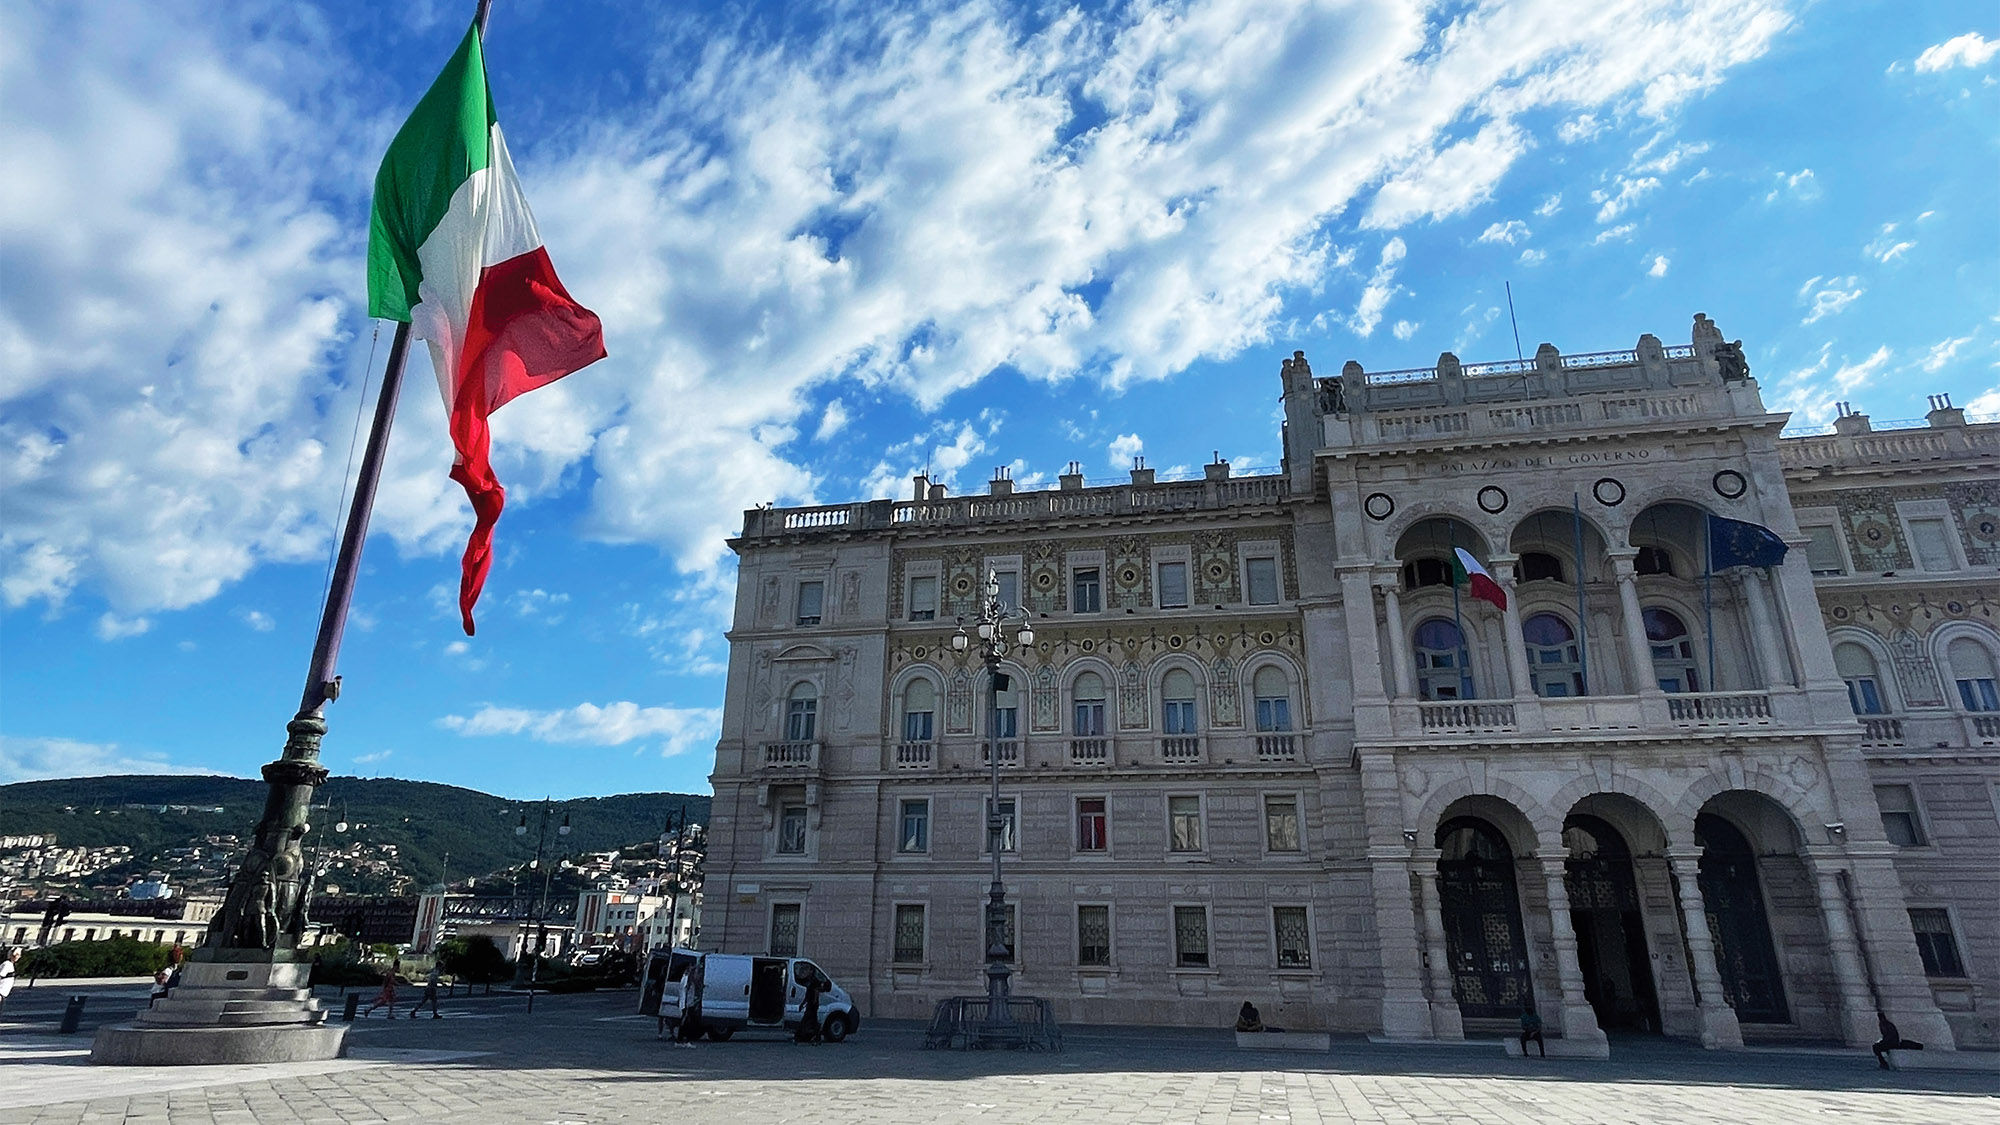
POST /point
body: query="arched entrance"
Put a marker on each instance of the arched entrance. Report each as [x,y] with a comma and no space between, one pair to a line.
[1730,891]
[1482,920]
[1610,931]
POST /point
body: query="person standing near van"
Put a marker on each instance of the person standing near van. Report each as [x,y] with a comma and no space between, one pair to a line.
[809,1030]
[690,1028]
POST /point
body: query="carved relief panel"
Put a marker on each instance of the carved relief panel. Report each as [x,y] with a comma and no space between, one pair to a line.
[1133,698]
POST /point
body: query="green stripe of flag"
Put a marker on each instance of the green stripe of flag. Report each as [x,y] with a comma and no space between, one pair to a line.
[445,141]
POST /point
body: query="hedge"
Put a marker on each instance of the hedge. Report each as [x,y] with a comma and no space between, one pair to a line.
[111,957]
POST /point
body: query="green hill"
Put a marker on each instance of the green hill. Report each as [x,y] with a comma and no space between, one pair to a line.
[424,820]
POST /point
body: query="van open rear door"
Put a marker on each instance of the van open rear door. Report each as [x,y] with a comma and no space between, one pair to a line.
[769,977]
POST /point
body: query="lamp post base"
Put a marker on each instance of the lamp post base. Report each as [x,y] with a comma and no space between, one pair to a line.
[968,1023]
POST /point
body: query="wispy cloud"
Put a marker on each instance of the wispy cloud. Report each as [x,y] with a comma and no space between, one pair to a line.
[679,729]
[1825,300]
[1943,352]
[1619,233]
[1122,449]
[1886,247]
[1381,287]
[832,421]
[41,759]
[1970,50]
[111,627]
[1508,233]
[1801,185]
[1630,191]
[1659,266]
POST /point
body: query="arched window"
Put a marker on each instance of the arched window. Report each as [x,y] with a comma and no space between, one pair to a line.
[1972,667]
[1553,658]
[1441,658]
[1177,702]
[1419,573]
[1007,707]
[1539,565]
[1654,560]
[1857,667]
[1673,650]
[802,713]
[919,710]
[1089,696]
[1273,693]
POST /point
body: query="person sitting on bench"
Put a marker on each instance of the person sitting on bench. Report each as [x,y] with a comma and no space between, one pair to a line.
[1892,1040]
[1248,1019]
[1531,1032]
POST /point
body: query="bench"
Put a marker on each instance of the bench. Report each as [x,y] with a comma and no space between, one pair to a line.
[1284,1041]
[1561,1048]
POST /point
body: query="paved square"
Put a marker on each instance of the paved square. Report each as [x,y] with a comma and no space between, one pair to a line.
[587,1059]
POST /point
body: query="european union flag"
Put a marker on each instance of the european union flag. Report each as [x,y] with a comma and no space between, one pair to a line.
[1737,543]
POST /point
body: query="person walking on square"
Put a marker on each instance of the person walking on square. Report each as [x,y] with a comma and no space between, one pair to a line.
[430,996]
[1892,1040]
[1531,1032]
[386,996]
[7,972]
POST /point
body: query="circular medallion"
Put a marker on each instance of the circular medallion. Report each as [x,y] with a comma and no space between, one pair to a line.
[1379,506]
[918,652]
[1841,613]
[1608,491]
[1129,576]
[1089,645]
[1217,571]
[1492,499]
[1729,484]
[1267,638]
[1954,607]
[1174,642]
[1044,580]
[1875,531]
[1986,528]
[962,584]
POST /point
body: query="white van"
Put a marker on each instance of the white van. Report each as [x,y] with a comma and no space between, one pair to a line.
[727,992]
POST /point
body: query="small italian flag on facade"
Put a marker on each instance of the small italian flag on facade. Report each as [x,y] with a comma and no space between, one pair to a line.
[1466,571]
[453,251]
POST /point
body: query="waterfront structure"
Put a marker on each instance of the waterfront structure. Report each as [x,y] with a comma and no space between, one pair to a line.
[1265,748]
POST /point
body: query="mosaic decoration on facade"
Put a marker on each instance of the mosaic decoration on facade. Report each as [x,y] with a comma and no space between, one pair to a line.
[1215,568]
[1872,533]
[1133,699]
[1043,590]
[1131,577]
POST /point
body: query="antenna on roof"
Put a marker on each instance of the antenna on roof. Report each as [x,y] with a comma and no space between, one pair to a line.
[1517,324]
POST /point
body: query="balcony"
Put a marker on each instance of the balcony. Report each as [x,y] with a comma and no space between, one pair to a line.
[1720,708]
[1465,717]
[1180,750]
[1532,718]
[791,755]
[1881,732]
[1277,748]
[1089,751]
[1010,753]
[916,755]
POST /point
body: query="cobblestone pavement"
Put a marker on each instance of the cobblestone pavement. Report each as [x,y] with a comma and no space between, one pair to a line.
[584,1059]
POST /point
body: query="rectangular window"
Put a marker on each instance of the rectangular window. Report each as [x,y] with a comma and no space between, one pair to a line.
[1979,694]
[1864,695]
[909,934]
[792,830]
[1899,815]
[1008,838]
[1184,824]
[1089,719]
[917,726]
[1010,589]
[1935,943]
[811,595]
[1191,937]
[1173,585]
[916,831]
[1091,834]
[1274,714]
[1086,590]
[924,597]
[1261,575]
[1093,935]
[1288,926]
[1928,539]
[785,929]
[801,716]
[1823,553]
[1179,716]
[1281,823]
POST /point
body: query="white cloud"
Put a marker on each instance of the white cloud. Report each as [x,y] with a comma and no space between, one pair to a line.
[1509,232]
[1943,352]
[537,603]
[1628,195]
[1532,257]
[1580,128]
[1986,403]
[1404,329]
[1619,233]
[1825,301]
[42,759]
[1802,185]
[372,757]
[258,620]
[1850,377]
[179,223]
[1672,158]
[112,627]
[832,421]
[457,648]
[679,729]
[1550,206]
[1659,266]
[1380,288]
[940,452]
[1971,50]
[1886,247]
[1123,449]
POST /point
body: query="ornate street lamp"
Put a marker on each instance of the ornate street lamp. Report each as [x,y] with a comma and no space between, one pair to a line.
[531,916]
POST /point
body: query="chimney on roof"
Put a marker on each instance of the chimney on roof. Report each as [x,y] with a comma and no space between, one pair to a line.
[1072,480]
[1943,413]
[1002,483]
[1142,477]
[1849,422]
[1217,469]
[923,483]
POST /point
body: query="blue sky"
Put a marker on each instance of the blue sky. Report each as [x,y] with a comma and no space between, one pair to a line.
[832,245]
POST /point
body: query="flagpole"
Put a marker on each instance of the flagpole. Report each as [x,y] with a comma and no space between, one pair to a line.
[1464,647]
[1708,591]
[1582,622]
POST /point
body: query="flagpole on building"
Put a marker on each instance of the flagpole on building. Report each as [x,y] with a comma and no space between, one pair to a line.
[1708,591]
[1457,622]
[1582,622]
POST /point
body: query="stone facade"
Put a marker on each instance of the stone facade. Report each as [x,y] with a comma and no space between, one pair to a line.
[1262,750]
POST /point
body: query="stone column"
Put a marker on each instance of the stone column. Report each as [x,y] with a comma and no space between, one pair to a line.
[1719,1028]
[1364,650]
[1638,654]
[1446,1020]
[1800,605]
[1857,1004]
[1506,569]
[1399,638]
[1578,1021]
[1776,665]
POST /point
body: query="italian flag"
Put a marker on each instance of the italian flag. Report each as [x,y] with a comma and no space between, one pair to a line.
[1466,571]
[453,251]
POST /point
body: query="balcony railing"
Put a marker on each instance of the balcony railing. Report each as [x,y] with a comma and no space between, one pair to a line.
[1089,751]
[791,755]
[1882,732]
[1181,749]
[1466,716]
[1720,708]
[915,755]
[1010,752]
[1986,726]
[1277,748]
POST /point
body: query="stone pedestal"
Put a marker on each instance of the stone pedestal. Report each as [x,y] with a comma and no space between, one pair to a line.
[226,1012]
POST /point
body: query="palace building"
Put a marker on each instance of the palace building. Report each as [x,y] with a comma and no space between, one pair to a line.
[1268,745]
